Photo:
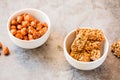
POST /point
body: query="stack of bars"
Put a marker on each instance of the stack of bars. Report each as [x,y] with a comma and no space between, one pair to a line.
[87,45]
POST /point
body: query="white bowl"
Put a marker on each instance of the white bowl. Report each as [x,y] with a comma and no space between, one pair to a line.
[31,43]
[78,64]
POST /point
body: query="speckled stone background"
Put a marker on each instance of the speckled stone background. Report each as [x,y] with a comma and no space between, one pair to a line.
[48,62]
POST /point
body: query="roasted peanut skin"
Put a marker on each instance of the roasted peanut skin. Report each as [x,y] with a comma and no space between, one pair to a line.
[5,51]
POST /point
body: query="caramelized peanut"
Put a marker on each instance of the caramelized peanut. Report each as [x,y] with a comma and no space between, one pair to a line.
[13,31]
[19,26]
[6,51]
[13,22]
[28,17]
[18,35]
[13,27]
[0,45]
[33,24]
[23,31]
[19,19]
[25,23]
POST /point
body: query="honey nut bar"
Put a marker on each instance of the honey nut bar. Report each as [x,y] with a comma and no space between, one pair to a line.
[96,35]
[115,48]
[80,40]
[90,45]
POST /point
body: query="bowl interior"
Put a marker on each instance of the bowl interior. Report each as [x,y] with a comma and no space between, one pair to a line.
[69,40]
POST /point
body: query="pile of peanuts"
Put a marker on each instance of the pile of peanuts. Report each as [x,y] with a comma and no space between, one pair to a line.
[27,27]
[5,49]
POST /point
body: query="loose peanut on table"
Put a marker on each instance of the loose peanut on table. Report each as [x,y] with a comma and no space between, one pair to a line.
[5,51]
[0,45]
[26,27]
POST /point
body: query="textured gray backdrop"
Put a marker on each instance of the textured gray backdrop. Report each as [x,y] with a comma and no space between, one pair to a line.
[48,62]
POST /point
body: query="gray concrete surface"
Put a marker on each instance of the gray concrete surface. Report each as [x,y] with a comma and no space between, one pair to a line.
[48,62]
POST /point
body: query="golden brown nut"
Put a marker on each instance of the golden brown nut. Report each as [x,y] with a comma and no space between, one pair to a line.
[13,22]
[19,19]
[13,31]
[32,31]
[39,26]
[19,31]
[0,45]
[30,37]
[25,23]
[44,24]
[33,24]
[19,26]
[38,34]
[23,31]
[30,28]
[6,50]
[28,17]
[25,38]
[18,35]
[37,21]
[13,27]
[42,31]
[35,35]
[115,48]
